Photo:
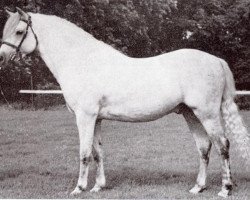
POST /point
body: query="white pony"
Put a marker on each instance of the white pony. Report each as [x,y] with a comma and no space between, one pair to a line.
[99,82]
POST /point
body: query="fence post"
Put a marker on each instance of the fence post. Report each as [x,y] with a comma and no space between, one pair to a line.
[32,94]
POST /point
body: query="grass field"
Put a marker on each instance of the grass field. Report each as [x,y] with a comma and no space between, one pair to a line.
[39,158]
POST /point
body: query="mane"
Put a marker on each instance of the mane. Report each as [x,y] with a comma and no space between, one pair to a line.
[68,29]
[65,23]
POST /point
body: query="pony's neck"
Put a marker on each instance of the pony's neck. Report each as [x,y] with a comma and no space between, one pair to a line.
[63,45]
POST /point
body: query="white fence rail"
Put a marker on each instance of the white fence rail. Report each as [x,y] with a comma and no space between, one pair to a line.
[243,92]
[40,91]
[238,92]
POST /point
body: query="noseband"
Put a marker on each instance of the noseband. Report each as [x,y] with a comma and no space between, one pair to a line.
[29,24]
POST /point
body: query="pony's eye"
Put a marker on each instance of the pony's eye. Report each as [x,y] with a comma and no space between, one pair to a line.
[19,32]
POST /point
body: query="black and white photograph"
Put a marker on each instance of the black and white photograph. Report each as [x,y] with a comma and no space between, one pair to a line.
[125,99]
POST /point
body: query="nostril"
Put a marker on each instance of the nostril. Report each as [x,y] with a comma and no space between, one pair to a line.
[1,59]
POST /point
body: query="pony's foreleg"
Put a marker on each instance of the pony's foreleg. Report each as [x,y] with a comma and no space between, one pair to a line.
[203,146]
[98,157]
[86,124]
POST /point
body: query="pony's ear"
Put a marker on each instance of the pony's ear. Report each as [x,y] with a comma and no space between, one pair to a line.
[21,12]
[8,11]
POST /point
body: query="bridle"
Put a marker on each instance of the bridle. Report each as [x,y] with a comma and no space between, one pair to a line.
[29,25]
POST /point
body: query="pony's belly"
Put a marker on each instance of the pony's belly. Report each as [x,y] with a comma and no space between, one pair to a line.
[141,102]
[128,113]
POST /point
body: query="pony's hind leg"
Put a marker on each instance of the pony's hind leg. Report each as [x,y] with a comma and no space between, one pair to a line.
[98,157]
[203,144]
[213,126]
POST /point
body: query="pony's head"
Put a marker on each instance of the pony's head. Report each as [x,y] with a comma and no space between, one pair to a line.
[18,36]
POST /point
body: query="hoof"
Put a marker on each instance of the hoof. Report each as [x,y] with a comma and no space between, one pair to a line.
[224,193]
[197,189]
[77,190]
[96,189]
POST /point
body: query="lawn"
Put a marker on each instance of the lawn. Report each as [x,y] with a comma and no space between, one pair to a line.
[39,158]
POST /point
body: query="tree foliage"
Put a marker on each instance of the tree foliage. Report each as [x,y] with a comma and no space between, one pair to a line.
[141,29]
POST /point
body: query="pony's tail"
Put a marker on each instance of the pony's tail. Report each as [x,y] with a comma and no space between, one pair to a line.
[233,121]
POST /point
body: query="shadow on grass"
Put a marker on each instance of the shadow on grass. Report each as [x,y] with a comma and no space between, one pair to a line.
[243,178]
[144,177]
[10,173]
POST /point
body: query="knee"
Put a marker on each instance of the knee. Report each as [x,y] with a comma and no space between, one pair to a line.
[86,160]
[205,155]
[229,186]
[97,158]
[205,152]
[226,143]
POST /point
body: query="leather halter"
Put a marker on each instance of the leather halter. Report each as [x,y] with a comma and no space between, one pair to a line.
[29,24]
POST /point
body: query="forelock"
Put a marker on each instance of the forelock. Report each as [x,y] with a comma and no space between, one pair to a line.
[11,25]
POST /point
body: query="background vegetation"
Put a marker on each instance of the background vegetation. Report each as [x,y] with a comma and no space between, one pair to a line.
[139,29]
